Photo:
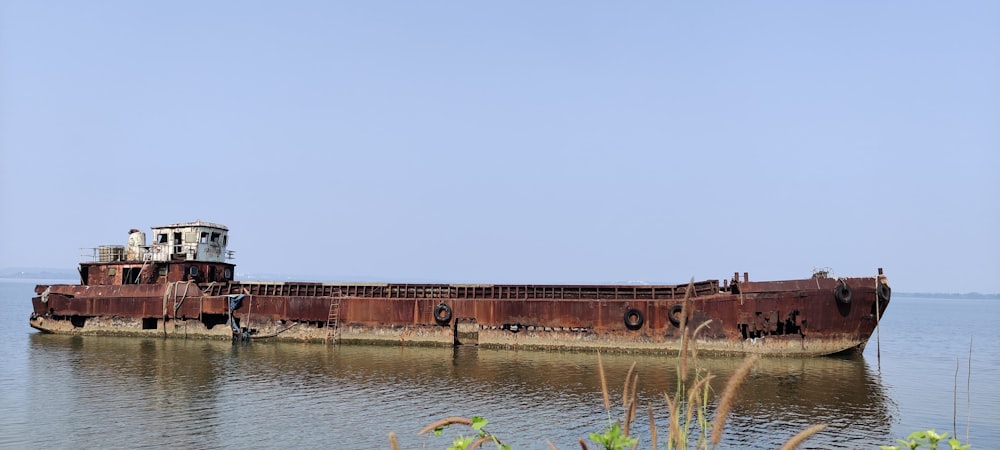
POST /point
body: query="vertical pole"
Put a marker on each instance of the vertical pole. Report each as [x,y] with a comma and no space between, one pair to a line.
[878,323]
[249,308]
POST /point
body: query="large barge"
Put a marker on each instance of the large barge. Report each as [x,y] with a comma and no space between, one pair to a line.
[182,286]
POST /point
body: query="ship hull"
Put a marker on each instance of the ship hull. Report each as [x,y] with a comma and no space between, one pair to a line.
[807,317]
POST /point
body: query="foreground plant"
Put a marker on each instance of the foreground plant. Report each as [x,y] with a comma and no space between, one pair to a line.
[687,412]
[928,438]
[613,438]
[466,442]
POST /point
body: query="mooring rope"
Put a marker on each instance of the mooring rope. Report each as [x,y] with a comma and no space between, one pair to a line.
[177,304]
[249,309]
[166,295]
[276,333]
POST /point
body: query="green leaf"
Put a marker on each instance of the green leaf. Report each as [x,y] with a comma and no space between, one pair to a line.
[613,438]
[460,443]
[478,423]
[917,435]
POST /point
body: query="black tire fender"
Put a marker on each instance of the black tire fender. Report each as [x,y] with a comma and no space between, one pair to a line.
[884,292]
[842,293]
[673,314]
[442,314]
[633,319]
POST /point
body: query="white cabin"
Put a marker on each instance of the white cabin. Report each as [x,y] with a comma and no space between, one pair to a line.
[191,241]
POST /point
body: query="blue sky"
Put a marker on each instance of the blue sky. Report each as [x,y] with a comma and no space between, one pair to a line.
[540,142]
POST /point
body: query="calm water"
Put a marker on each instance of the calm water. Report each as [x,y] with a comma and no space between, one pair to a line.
[97,392]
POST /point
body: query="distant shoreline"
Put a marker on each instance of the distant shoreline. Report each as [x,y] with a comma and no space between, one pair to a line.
[40,276]
[969,295]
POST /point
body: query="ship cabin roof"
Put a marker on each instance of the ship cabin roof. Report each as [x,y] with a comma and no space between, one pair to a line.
[195,224]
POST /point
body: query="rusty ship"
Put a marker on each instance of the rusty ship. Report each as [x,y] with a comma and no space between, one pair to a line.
[182,285]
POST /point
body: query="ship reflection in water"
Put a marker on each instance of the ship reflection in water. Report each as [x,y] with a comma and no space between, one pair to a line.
[126,392]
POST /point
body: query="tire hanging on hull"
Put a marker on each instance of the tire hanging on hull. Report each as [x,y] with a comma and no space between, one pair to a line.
[442,314]
[672,315]
[633,319]
[842,293]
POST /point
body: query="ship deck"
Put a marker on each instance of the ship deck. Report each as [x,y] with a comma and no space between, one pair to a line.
[466,291]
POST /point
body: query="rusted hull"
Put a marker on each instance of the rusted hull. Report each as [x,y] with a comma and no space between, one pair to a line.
[793,318]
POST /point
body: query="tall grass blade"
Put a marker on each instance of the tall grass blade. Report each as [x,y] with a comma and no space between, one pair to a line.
[625,390]
[684,340]
[445,422]
[604,383]
[652,427]
[796,440]
[729,396]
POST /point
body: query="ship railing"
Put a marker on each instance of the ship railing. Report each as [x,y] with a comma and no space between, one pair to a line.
[88,254]
[112,253]
[103,253]
[477,291]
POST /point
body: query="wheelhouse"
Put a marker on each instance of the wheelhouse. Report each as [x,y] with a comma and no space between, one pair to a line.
[192,251]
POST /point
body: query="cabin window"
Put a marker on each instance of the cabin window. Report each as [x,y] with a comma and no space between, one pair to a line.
[204,238]
[215,237]
[130,275]
[112,271]
[224,239]
[161,238]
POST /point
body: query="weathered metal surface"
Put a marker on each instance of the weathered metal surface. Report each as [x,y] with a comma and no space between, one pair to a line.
[187,293]
[788,317]
[151,272]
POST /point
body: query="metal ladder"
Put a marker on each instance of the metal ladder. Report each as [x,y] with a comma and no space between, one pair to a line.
[333,321]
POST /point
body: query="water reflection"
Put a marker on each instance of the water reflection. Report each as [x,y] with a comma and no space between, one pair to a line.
[94,389]
[106,391]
